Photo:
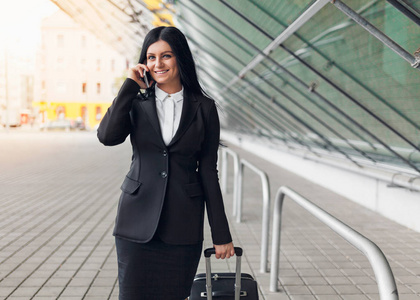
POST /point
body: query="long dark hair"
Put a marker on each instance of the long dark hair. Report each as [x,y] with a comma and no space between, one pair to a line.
[177,41]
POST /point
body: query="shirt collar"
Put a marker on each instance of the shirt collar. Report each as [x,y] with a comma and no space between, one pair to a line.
[161,95]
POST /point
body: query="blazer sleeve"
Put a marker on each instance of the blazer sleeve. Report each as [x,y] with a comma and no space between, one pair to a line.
[116,124]
[210,181]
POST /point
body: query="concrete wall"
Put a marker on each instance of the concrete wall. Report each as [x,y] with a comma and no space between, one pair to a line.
[398,204]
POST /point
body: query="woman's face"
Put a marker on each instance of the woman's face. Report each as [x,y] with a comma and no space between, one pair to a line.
[161,62]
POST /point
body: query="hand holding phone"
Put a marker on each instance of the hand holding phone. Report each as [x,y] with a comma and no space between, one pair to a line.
[139,74]
[145,78]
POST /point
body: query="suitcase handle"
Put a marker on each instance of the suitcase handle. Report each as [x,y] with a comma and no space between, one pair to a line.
[209,251]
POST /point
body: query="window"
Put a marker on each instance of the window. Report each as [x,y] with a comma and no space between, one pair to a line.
[98,65]
[84,87]
[83,41]
[98,88]
[98,114]
[60,40]
[61,87]
[60,63]
[83,112]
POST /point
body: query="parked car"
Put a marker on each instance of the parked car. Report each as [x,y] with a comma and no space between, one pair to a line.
[64,124]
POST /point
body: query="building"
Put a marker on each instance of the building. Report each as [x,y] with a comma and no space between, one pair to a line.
[77,75]
[16,84]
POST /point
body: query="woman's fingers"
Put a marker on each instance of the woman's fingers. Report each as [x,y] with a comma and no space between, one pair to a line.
[136,74]
[224,251]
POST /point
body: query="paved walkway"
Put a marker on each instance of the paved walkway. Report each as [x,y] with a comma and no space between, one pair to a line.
[58,199]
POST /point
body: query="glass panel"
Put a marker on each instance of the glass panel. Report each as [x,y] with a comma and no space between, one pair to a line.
[347,57]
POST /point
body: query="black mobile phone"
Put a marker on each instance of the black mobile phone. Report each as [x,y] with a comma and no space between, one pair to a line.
[146,78]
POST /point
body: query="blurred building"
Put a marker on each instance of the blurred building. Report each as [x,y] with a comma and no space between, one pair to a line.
[77,75]
[16,86]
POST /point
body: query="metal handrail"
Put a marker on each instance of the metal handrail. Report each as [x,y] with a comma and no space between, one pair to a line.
[383,273]
[266,208]
[384,39]
[289,31]
[235,156]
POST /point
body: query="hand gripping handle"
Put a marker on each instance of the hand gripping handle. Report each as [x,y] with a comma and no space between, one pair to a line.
[207,253]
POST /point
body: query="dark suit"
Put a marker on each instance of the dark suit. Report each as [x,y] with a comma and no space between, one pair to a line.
[165,191]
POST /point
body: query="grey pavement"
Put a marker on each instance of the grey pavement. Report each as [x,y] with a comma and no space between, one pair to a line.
[58,200]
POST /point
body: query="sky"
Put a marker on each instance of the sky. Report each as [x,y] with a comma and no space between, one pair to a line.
[20,22]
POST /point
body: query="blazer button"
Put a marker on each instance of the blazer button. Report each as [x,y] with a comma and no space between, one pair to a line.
[163,174]
[164,153]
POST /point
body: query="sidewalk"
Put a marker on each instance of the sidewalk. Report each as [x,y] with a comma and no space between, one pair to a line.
[59,199]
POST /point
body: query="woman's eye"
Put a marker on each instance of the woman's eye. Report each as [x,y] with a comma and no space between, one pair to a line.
[151,57]
[167,56]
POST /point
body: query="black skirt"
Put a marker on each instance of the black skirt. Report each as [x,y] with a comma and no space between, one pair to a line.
[155,270]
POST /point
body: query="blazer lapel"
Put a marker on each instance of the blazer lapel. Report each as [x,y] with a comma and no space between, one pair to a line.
[149,106]
[189,109]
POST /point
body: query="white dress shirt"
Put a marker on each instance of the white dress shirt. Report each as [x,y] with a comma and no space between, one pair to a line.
[169,114]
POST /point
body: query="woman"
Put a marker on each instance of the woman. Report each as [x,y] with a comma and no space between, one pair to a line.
[174,131]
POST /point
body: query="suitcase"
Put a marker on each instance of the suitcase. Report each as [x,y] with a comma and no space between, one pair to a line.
[224,286]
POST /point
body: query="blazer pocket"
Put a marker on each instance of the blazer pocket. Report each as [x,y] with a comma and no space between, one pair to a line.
[130,186]
[194,189]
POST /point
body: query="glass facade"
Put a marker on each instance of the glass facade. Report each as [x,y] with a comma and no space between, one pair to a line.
[331,87]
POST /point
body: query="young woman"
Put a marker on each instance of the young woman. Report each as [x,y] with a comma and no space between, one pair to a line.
[174,131]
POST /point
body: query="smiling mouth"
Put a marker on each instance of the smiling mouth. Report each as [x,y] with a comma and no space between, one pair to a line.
[161,72]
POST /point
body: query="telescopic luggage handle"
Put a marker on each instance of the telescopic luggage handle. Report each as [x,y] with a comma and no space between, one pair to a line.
[207,253]
[210,251]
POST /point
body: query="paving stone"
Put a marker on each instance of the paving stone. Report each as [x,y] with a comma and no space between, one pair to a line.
[50,291]
[302,297]
[292,280]
[25,291]
[74,292]
[322,290]
[6,290]
[357,297]
[329,297]
[297,290]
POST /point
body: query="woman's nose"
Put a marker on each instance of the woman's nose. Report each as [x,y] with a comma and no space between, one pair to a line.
[159,62]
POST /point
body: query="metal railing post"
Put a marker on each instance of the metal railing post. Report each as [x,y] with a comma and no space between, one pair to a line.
[237,202]
[266,208]
[235,156]
[382,270]
[275,240]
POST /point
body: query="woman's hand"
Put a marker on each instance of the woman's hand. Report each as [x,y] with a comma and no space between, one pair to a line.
[224,251]
[136,73]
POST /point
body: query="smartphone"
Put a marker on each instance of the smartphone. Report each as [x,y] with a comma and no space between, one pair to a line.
[146,78]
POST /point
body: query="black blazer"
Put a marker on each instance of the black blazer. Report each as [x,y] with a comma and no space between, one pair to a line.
[167,187]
